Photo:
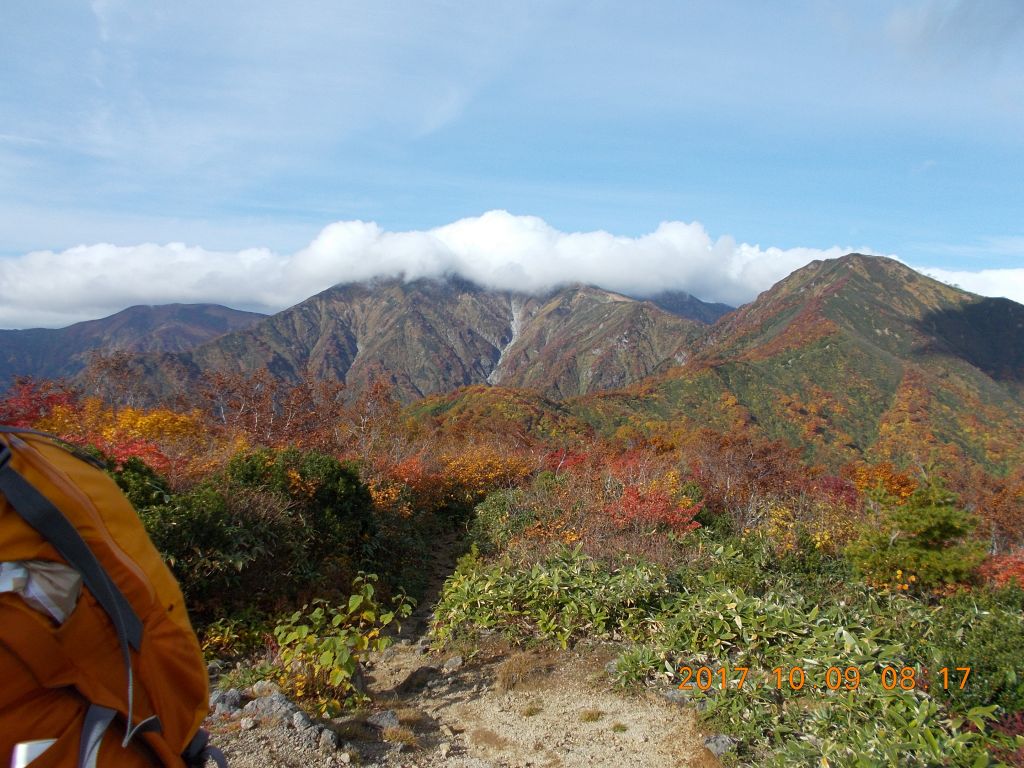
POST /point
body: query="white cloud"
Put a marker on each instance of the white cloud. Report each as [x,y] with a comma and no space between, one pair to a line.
[497,249]
[986,282]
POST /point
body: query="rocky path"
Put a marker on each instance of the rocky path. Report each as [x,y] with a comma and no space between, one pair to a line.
[501,708]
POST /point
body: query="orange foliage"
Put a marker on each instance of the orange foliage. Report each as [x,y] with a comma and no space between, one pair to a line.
[160,437]
[905,431]
[883,478]
[482,469]
[436,477]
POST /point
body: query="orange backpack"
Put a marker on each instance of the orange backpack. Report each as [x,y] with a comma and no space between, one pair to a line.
[99,663]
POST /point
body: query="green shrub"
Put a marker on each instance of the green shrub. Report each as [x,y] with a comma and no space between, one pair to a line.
[230,548]
[143,486]
[738,605]
[236,638]
[564,598]
[498,518]
[321,645]
[921,544]
[333,501]
[975,630]
[270,529]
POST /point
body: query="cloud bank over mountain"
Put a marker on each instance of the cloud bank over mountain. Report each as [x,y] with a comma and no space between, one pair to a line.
[497,250]
[986,282]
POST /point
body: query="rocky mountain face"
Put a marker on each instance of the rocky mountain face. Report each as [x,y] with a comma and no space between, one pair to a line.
[431,336]
[54,353]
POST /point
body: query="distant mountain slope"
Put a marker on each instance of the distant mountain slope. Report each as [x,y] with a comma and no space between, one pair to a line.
[683,304]
[51,353]
[432,336]
[857,356]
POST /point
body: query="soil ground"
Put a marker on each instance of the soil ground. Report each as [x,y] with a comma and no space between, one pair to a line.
[498,708]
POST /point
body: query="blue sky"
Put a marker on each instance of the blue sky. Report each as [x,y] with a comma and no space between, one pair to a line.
[791,129]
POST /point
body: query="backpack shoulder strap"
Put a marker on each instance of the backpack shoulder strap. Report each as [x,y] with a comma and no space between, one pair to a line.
[50,523]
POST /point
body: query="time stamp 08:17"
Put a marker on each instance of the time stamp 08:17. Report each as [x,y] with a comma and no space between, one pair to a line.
[891,678]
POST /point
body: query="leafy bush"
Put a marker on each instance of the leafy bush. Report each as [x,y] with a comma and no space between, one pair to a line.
[238,637]
[498,518]
[332,500]
[320,646]
[923,543]
[565,598]
[1004,570]
[140,483]
[980,631]
[262,534]
[740,605]
[642,512]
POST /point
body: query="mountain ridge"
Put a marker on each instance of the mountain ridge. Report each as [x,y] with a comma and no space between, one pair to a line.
[430,336]
[834,358]
[850,358]
[63,352]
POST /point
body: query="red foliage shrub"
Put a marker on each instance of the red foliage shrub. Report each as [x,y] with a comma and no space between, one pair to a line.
[837,490]
[145,450]
[27,401]
[565,460]
[646,511]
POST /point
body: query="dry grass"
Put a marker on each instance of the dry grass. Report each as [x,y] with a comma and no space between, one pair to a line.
[485,737]
[413,717]
[518,668]
[619,728]
[532,709]
[401,735]
[355,729]
[591,715]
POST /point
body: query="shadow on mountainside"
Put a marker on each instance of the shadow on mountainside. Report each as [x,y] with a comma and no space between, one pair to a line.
[987,333]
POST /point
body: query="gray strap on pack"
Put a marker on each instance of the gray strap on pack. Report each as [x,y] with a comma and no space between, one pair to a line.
[94,727]
[97,721]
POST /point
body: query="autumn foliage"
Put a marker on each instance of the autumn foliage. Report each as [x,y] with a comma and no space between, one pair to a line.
[1004,570]
[27,401]
[642,490]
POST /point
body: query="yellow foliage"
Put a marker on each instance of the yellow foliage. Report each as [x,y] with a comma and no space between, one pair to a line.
[483,469]
[299,488]
[389,495]
[829,526]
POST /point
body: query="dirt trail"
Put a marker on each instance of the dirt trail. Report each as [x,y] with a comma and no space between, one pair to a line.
[530,709]
[501,708]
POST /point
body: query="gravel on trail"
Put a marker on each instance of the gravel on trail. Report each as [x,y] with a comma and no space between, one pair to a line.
[496,710]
